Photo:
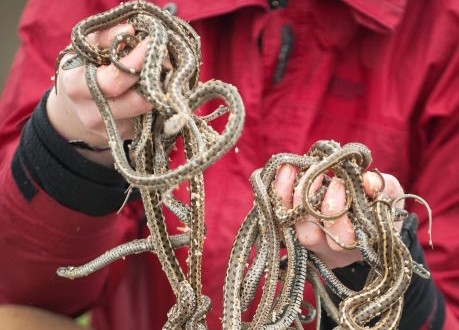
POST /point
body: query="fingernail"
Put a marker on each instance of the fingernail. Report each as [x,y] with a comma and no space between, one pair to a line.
[373,183]
[285,173]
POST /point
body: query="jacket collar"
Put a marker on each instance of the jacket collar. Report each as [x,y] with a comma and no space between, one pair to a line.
[194,10]
[378,15]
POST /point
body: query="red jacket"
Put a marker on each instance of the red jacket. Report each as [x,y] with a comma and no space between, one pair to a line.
[381,72]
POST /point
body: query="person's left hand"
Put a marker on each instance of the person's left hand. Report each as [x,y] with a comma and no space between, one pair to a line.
[311,235]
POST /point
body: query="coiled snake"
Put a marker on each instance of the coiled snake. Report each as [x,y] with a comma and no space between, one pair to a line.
[381,299]
[175,95]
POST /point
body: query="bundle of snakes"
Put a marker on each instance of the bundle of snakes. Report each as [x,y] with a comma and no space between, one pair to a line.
[267,229]
[175,94]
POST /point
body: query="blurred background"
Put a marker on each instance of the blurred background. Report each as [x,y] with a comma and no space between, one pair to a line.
[10,11]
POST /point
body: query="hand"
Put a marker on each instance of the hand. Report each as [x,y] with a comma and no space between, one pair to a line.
[74,114]
[311,235]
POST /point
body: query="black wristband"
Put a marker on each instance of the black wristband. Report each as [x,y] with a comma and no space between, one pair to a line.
[423,303]
[68,177]
[86,146]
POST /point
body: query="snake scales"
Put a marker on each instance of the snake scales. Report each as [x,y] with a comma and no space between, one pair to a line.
[378,305]
[175,95]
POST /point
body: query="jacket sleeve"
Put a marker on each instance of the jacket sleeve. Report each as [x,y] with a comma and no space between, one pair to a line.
[434,157]
[439,183]
[56,209]
[435,168]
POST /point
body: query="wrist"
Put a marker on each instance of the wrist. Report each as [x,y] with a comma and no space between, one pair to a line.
[45,161]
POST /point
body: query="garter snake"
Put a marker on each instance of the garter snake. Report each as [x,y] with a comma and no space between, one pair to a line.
[174,94]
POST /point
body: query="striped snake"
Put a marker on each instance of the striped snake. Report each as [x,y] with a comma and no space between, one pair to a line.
[378,305]
[175,95]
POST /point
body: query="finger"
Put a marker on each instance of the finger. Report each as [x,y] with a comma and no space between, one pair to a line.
[283,184]
[114,82]
[308,233]
[297,194]
[340,229]
[375,182]
[104,38]
[129,105]
[312,236]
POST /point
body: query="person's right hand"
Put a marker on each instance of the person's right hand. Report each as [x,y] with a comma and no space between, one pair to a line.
[73,113]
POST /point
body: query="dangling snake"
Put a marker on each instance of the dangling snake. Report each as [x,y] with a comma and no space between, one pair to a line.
[376,238]
[175,95]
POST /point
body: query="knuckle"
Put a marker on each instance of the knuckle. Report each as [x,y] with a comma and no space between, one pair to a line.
[308,235]
[139,102]
[305,240]
[109,81]
[68,82]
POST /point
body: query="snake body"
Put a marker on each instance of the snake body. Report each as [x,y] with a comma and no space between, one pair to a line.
[175,94]
[373,218]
